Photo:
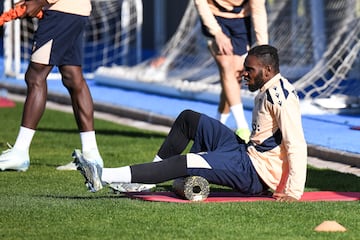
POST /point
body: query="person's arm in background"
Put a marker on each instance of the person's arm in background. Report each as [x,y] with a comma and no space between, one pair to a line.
[223,43]
[33,7]
[259,20]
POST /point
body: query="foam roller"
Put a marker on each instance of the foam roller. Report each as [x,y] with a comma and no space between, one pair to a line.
[193,188]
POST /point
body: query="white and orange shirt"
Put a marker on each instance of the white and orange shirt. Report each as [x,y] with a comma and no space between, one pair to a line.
[78,7]
[277,146]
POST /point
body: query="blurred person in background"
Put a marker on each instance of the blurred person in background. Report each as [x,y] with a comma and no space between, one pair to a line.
[228,26]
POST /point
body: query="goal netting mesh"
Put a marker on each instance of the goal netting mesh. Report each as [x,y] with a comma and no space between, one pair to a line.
[113,36]
[318,42]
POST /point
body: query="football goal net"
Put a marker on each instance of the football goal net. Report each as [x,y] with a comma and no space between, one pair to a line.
[318,42]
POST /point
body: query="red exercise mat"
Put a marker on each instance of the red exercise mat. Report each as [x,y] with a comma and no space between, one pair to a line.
[4,102]
[238,197]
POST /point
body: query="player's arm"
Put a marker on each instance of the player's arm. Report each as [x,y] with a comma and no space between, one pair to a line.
[223,43]
[289,120]
[33,7]
[259,19]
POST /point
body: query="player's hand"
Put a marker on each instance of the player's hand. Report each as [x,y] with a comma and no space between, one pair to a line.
[282,197]
[33,7]
[223,44]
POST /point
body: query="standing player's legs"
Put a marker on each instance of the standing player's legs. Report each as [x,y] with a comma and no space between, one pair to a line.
[229,67]
[230,98]
[230,92]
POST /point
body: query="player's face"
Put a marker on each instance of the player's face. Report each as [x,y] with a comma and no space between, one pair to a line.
[253,73]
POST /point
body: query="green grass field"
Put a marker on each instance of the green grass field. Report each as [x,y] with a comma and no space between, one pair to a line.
[44,203]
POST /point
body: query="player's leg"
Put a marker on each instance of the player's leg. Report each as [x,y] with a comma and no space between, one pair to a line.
[17,157]
[238,110]
[223,107]
[34,106]
[181,133]
[211,136]
[241,40]
[69,59]
[230,99]
[229,83]
[207,134]
[223,111]
[81,99]
[82,105]
[229,66]
[227,168]
[233,169]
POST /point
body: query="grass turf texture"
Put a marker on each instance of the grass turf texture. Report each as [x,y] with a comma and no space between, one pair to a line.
[44,203]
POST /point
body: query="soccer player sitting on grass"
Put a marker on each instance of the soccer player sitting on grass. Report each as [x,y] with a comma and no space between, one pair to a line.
[275,157]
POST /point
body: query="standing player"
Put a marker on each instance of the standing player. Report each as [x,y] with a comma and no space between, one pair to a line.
[227,24]
[57,42]
[275,157]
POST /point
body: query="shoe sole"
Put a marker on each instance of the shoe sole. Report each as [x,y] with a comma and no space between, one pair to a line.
[131,187]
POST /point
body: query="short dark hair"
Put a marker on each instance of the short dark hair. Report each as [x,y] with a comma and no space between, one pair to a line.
[267,54]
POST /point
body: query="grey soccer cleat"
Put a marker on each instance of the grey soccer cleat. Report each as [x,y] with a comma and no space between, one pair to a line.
[91,171]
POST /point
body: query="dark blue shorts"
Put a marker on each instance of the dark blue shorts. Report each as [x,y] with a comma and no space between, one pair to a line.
[227,156]
[59,39]
[237,29]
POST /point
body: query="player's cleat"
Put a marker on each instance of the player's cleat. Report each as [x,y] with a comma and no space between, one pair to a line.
[14,159]
[90,169]
[67,167]
[244,134]
[92,155]
[131,187]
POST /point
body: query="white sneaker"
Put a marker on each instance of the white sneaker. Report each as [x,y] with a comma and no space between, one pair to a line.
[14,159]
[67,167]
[131,187]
